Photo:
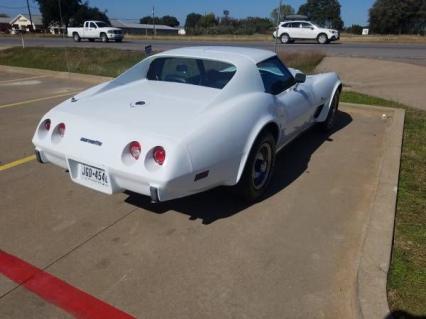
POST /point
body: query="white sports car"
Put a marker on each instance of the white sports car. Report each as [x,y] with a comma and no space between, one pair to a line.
[187,120]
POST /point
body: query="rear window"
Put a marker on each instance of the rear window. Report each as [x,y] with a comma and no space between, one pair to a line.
[208,73]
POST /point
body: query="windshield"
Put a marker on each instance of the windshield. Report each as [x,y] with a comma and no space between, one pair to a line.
[209,73]
[102,24]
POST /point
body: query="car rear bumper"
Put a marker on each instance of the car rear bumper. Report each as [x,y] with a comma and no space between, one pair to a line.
[120,180]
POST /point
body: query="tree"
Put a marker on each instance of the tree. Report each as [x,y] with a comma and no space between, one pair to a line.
[170,21]
[286,10]
[85,13]
[323,12]
[208,20]
[50,12]
[3,15]
[355,29]
[398,16]
[73,12]
[192,20]
[149,20]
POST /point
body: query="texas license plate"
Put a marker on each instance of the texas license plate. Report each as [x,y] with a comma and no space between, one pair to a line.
[94,174]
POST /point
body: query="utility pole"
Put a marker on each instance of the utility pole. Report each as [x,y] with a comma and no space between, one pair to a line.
[278,25]
[153,22]
[31,18]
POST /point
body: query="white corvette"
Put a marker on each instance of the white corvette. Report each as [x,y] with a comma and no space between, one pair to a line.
[187,120]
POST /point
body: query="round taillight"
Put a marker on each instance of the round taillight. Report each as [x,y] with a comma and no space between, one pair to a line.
[159,155]
[46,124]
[135,149]
[61,129]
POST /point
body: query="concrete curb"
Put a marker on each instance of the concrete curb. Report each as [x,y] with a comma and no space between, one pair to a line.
[377,246]
[62,75]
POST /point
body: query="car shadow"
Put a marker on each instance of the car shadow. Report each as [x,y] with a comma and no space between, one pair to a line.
[222,202]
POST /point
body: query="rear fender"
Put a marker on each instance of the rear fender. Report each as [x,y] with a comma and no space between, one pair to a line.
[335,84]
[255,132]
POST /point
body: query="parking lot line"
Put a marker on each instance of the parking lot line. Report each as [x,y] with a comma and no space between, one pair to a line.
[17,162]
[56,291]
[38,99]
[23,79]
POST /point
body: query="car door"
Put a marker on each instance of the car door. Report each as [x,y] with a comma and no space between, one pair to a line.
[293,101]
[296,30]
[307,30]
[92,30]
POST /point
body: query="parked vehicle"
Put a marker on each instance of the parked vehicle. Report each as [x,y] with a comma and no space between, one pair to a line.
[187,120]
[290,31]
[93,30]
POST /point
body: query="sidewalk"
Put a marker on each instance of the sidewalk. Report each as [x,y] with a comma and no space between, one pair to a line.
[401,82]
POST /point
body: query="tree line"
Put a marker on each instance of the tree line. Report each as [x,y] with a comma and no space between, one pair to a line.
[385,17]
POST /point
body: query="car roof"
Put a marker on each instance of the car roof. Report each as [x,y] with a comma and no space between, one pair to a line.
[222,53]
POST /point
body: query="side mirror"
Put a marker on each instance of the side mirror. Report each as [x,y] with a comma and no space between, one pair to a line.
[300,78]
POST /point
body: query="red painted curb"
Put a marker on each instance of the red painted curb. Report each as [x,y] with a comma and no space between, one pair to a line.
[56,291]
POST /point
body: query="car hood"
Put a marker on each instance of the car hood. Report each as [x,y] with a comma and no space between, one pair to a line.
[146,107]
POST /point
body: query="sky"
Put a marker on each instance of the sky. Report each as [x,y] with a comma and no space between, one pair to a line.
[353,12]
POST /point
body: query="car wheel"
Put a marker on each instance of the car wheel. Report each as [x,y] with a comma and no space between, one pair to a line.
[330,121]
[322,38]
[285,38]
[104,37]
[259,168]
[76,37]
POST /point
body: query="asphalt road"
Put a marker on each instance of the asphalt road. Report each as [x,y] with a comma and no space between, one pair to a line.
[413,53]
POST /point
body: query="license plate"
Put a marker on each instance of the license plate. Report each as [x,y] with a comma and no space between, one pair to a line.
[93,174]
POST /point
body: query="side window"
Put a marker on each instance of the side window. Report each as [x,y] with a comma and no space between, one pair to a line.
[92,25]
[275,76]
[286,25]
[306,25]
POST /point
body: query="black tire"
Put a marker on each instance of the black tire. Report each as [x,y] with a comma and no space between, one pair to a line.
[258,169]
[285,38]
[322,38]
[104,38]
[76,37]
[330,121]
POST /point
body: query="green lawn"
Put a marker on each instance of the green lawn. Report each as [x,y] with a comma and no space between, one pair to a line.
[104,61]
[110,62]
[407,276]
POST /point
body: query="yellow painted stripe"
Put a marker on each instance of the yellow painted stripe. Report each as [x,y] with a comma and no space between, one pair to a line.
[17,162]
[23,79]
[38,100]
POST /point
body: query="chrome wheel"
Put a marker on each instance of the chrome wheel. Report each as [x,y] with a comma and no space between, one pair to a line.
[285,39]
[261,166]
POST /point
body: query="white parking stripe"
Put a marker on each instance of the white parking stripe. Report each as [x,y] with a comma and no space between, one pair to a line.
[23,79]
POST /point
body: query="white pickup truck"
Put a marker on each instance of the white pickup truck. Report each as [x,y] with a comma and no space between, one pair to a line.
[93,30]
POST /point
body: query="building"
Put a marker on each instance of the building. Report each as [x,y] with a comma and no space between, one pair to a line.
[133,27]
[21,22]
[4,24]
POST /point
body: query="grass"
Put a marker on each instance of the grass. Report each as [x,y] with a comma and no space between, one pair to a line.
[407,275]
[110,62]
[104,61]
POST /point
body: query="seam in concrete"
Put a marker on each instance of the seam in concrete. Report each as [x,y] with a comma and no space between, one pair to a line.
[62,75]
[377,245]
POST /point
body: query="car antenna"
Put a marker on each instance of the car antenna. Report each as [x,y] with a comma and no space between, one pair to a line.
[278,25]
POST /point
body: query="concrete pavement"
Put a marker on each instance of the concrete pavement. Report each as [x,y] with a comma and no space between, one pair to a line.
[294,255]
[401,82]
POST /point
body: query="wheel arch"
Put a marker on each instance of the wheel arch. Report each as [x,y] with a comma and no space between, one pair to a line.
[338,86]
[267,125]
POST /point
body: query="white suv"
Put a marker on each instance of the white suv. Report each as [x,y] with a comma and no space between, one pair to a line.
[289,31]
